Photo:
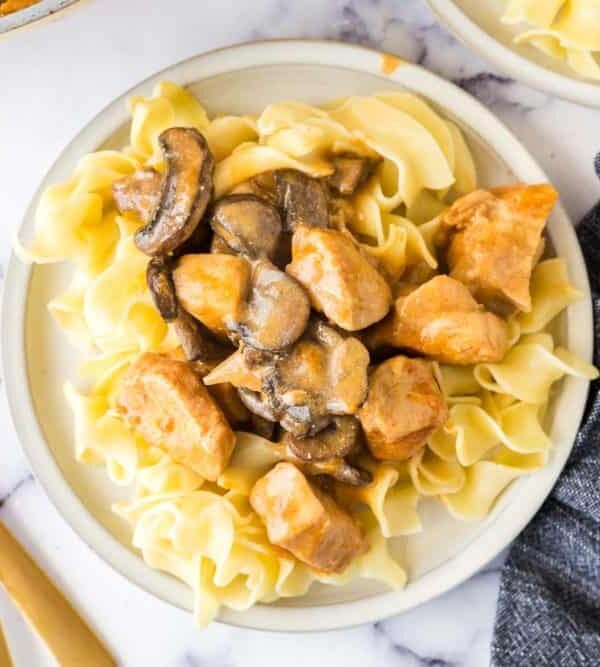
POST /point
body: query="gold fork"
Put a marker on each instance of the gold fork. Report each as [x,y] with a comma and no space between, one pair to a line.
[5,659]
[67,636]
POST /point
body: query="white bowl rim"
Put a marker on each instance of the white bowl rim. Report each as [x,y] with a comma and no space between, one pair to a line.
[518,67]
[457,569]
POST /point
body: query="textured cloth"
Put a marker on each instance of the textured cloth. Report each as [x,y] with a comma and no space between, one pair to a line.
[549,603]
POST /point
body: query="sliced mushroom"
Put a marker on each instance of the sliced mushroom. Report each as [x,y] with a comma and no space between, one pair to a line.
[185,195]
[159,279]
[255,402]
[335,467]
[262,427]
[339,469]
[139,193]
[219,247]
[325,370]
[196,339]
[302,421]
[350,172]
[277,310]
[303,199]
[340,439]
[261,185]
[248,225]
[342,214]
[322,375]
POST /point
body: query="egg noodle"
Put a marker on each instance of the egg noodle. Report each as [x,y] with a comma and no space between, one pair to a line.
[565,29]
[206,533]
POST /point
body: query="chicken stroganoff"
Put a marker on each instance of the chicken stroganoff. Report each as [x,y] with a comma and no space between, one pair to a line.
[296,326]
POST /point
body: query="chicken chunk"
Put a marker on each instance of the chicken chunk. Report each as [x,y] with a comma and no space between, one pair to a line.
[404,407]
[213,288]
[307,522]
[496,240]
[139,193]
[442,320]
[165,401]
[341,283]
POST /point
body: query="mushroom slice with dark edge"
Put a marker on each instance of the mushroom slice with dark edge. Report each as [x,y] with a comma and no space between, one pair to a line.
[196,340]
[139,193]
[261,185]
[324,368]
[248,225]
[341,438]
[185,195]
[322,375]
[254,401]
[277,310]
[159,279]
[303,199]
[350,172]
[336,467]
[219,247]
[262,427]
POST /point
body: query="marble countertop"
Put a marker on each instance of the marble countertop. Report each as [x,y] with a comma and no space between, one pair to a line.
[54,76]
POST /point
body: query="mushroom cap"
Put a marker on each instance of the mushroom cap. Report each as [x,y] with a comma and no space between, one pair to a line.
[277,310]
[248,225]
[186,192]
[303,199]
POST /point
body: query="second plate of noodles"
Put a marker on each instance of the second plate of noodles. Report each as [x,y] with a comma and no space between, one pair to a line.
[296,307]
[553,45]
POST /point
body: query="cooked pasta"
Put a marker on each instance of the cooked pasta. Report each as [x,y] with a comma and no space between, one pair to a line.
[568,30]
[207,533]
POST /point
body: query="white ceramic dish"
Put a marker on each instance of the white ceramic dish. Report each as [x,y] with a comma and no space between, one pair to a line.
[477,23]
[33,13]
[37,358]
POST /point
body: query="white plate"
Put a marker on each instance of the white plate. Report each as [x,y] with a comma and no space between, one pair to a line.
[477,23]
[33,13]
[37,358]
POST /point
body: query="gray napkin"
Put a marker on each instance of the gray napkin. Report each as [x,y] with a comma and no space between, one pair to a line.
[549,603]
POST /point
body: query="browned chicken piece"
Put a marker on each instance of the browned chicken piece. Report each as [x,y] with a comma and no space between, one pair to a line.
[164,400]
[306,521]
[442,320]
[213,288]
[404,407]
[139,193]
[495,240]
[341,282]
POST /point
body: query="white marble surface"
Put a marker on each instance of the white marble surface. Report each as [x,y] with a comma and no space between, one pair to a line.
[54,76]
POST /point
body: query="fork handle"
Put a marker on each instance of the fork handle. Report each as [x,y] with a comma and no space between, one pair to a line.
[67,636]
